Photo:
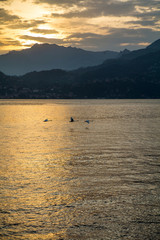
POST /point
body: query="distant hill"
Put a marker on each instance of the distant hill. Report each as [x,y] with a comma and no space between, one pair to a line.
[50,56]
[133,75]
[155,46]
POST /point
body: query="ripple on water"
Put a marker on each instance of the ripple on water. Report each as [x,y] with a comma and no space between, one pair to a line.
[62,181]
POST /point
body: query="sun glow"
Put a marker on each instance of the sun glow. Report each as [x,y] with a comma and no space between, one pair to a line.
[26,9]
[45,35]
[28,43]
[26,22]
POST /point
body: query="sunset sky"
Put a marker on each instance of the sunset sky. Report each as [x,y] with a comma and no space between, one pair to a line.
[88,24]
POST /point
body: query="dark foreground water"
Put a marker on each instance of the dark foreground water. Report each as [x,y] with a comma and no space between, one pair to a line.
[62,180]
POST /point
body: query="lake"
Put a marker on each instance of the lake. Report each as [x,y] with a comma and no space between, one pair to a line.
[74,180]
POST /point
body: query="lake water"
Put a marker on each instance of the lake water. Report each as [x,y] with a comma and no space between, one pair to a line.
[63,180]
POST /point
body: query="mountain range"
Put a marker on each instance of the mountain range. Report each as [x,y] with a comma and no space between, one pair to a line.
[134,74]
[50,56]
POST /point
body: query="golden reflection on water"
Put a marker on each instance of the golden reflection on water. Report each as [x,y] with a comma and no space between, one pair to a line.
[35,172]
[76,181]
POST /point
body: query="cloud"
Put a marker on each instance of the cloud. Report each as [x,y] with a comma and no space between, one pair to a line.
[144,22]
[15,22]
[10,42]
[89,24]
[25,24]
[6,17]
[148,3]
[115,40]
[60,2]
[94,8]
[148,17]
[98,8]
[87,35]
[42,39]
[44,31]
[1,44]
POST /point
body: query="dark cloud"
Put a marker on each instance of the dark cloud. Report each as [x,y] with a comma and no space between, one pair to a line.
[117,39]
[151,15]
[1,44]
[6,17]
[90,2]
[148,18]
[147,3]
[10,42]
[60,2]
[100,8]
[25,24]
[143,22]
[87,35]
[94,8]
[148,12]
[43,31]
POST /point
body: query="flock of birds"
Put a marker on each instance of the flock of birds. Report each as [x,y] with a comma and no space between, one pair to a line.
[71,120]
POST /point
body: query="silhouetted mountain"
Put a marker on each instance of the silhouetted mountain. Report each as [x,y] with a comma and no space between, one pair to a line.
[135,77]
[124,52]
[50,56]
[155,46]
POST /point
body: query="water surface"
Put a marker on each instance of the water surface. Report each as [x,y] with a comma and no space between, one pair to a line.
[62,180]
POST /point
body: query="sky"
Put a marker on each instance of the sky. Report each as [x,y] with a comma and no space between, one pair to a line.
[95,25]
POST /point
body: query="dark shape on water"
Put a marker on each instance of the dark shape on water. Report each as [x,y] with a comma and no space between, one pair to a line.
[46,120]
[72,120]
[87,121]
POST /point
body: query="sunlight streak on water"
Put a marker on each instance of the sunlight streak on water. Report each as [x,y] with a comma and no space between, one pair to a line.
[62,180]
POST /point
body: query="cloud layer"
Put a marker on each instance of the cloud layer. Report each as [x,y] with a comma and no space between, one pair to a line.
[89,24]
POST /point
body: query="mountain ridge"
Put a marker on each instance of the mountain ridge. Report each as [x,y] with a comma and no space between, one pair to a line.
[50,56]
[155,46]
[135,77]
